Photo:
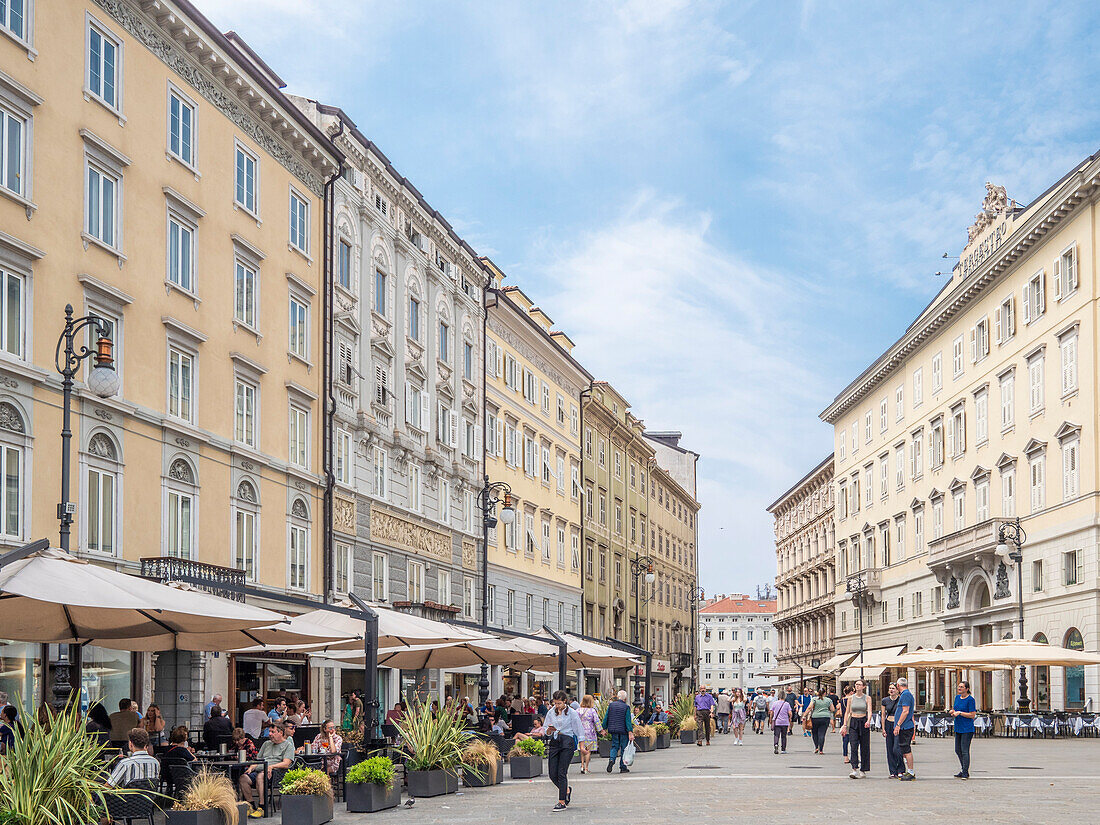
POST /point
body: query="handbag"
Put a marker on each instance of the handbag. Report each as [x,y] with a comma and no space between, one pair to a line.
[628,754]
[807,721]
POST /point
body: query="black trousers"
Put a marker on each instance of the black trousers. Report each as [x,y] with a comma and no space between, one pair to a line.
[962,750]
[702,725]
[894,761]
[557,764]
[859,740]
[820,728]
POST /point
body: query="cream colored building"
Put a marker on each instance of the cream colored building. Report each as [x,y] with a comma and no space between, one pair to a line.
[805,581]
[156,176]
[984,410]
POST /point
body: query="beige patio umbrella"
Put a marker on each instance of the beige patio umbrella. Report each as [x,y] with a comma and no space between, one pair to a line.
[789,669]
[511,652]
[51,596]
[1013,653]
[582,653]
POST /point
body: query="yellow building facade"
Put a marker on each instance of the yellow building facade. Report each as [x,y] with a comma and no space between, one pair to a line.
[157,178]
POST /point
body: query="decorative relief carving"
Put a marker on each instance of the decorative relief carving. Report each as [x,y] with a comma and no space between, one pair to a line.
[246,492]
[298,509]
[301,485]
[10,419]
[174,57]
[469,555]
[183,442]
[343,514]
[1002,591]
[102,414]
[994,205]
[102,446]
[953,594]
[536,359]
[248,465]
[9,382]
[181,471]
[405,535]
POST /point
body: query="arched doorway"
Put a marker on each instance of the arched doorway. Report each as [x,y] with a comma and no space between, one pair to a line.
[1075,676]
[1040,680]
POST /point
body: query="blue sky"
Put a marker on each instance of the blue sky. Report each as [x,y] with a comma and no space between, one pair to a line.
[731,207]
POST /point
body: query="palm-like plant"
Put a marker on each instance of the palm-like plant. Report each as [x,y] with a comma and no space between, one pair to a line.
[433,742]
[54,773]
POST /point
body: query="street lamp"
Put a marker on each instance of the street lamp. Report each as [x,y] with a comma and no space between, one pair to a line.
[1011,532]
[492,494]
[639,565]
[697,595]
[856,587]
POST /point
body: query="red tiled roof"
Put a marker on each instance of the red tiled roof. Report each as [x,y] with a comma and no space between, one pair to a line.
[740,604]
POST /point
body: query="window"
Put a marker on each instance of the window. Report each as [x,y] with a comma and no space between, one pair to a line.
[575,483]
[444,341]
[561,546]
[380,577]
[343,265]
[101,487]
[510,608]
[546,542]
[417,412]
[899,403]
[918,607]
[1038,482]
[1065,273]
[299,222]
[1035,297]
[341,578]
[1067,347]
[603,508]
[868,485]
[916,459]
[1008,492]
[414,487]
[1071,485]
[1037,576]
[12,313]
[179,524]
[956,356]
[101,205]
[12,17]
[299,328]
[935,446]
[13,147]
[885,612]
[575,541]
[937,371]
[884,475]
[618,517]
[414,307]
[245,535]
[246,179]
[937,599]
[979,341]
[981,416]
[445,501]
[415,582]
[381,474]
[867,427]
[957,434]
[1071,567]
[561,410]
[104,66]
[899,527]
[574,420]
[181,122]
[467,597]
[299,436]
[491,602]
[298,550]
[244,294]
[959,500]
[918,530]
[545,398]
[981,499]
[180,370]
[181,253]
[244,418]
[918,387]
[1035,373]
[883,415]
[467,360]
[901,609]
[345,467]
[1008,401]
[937,518]
[1005,320]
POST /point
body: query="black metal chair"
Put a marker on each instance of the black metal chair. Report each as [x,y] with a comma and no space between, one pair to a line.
[128,807]
[180,776]
[271,788]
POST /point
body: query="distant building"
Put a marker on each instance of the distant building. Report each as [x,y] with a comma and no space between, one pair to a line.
[736,641]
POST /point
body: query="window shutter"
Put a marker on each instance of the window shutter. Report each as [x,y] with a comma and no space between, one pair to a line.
[500,363]
[425,412]
[500,438]
[1039,305]
[408,402]
[490,357]
[1011,317]
[440,424]
[477,439]
[973,345]
[998,326]
[454,428]
[1057,279]
[1028,297]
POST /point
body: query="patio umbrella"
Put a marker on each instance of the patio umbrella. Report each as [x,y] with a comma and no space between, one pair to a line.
[1013,653]
[789,669]
[51,596]
[582,653]
[511,652]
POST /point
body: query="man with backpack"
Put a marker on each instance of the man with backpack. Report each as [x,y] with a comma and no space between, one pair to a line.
[760,711]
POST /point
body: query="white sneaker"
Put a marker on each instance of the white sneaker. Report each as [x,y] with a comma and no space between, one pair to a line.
[862,775]
[854,775]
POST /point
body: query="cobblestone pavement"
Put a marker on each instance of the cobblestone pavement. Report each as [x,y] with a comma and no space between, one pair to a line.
[1014,781]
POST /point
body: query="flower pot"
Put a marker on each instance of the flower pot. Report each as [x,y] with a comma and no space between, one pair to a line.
[211,816]
[525,767]
[306,809]
[432,783]
[687,737]
[644,744]
[368,797]
[472,780]
[663,740]
[605,748]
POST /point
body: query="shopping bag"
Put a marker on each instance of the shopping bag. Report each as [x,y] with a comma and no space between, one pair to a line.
[628,754]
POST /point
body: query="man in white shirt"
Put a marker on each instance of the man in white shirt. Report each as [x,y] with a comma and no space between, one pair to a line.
[254,719]
[140,764]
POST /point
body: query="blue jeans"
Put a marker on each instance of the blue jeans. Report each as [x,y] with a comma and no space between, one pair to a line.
[618,745]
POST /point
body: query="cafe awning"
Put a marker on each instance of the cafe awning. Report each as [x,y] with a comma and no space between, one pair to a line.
[871,665]
[837,662]
[451,655]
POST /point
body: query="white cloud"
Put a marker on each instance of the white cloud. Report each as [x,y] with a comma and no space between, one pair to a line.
[702,341]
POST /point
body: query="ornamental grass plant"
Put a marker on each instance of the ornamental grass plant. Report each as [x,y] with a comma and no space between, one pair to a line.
[481,758]
[433,742]
[210,790]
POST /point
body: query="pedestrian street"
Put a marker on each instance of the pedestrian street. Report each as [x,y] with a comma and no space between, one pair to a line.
[1035,781]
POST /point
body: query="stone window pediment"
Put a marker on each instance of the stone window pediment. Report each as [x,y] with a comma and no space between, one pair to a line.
[1035,446]
[956,485]
[1005,460]
[1067,430]
[979,473]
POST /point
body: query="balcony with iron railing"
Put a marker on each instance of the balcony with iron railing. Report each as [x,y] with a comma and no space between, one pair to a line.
[227,582]
[809,605]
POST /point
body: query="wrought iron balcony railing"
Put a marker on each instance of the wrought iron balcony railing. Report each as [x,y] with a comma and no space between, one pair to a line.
[226,582]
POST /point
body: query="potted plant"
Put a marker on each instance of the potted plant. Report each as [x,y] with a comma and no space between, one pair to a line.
[525,759]
[604,744]
[371,786]
[435,745]
[482,765]
[209,800]
[307,797]
[664,735]
[645,738]
[687,730]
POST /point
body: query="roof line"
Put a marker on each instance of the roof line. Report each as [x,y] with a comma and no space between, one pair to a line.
[800,482]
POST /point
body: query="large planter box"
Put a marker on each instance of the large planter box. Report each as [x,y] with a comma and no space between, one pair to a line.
[663,740]
[432,783]
[687,737]
[472,780]
[306,809]
[644,744]
[525,767]
[208,817]
[605,748]
[368,797]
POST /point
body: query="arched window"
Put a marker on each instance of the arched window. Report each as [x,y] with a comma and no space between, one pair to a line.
[246,523]
[13,446]
[1040,680]
[298,546]
[101,517]
[180,495]
[1075,676]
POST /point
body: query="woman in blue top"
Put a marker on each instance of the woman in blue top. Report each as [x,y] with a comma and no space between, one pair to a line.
[964,711]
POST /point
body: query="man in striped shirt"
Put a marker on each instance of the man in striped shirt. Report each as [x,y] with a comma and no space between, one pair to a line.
[140,764]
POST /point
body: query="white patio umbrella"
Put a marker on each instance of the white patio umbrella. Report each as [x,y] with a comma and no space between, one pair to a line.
[51,596]
[511,652]
[581,653]
[789,669]
[1013,653]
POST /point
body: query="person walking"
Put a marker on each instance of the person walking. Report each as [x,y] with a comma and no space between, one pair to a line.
[965,711]
[889,705]
[804,702]
[590,720]
[760,711]
[564,729]
[905,728]
[842,707]
[821,711]
[779,716]
[791,698]
[738,716]
[857,724]
[725,707]
[618,722]
[704,707]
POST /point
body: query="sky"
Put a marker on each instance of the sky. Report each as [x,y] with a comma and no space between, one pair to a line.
[732,208]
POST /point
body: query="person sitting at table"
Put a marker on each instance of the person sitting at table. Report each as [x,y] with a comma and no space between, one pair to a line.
[276,752]
[277,715]
[255,719]
[7,729]
[396,715]
[216,729]
[123,721]
[537,730]
[179,750]
[241,742]
[498,725]
[99,723]
[469,715]
[434,709]
[140,765]
[328,741]
[301,715]
[659,714]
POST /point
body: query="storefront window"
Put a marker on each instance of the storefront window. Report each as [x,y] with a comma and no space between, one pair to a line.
[105,677]
[20,674]
[1075,676]
[1040,681]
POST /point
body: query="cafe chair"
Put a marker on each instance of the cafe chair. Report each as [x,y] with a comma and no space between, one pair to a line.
[128,807]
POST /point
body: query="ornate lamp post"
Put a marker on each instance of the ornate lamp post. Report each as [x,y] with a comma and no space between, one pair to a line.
[1012,533]
[492,494]
[103,381]
[856,587]
[697,595]
[639,565]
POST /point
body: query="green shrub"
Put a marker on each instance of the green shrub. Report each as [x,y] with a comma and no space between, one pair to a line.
[378,770]
[529,747]
[662,728]
[306,782]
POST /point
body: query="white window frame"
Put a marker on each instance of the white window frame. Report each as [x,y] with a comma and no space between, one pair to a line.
[1008,491]
[298,434]
[98,468]
[115,106]
[344,558]
[918,387]
[297,553]
[180,266]
[415,492]
[246,514]
[183,408]
[14,110]
[1068,352]
[246,301]
[187,151]
[1036,382]
[414,581]
[1035,297]
[176,491]
[22,34]
[240,151]
[957,362]
[1037,481]
[469,601]
[1071,468]
[937,372]
[381,473]
[380,585]
[899,403]
[981,417]
[298,231]
[344,458]
[246,411]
